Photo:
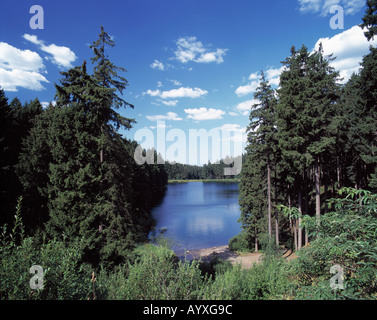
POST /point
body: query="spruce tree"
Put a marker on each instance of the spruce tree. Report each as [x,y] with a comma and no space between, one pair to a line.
[370,20]
[262,149]
[307,97]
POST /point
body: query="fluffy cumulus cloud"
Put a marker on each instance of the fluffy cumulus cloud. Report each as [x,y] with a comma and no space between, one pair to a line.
[20,68]
[323,6]
[237,133]
[170,116]
[177,93]
[25,68]
[272,75]
[171,103]
[189,49]
[62,56]
[204,114]
[348,48]
[158,65]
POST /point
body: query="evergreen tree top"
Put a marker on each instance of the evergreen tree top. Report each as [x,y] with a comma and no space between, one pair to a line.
[106,72]
[99,93]
[370,20]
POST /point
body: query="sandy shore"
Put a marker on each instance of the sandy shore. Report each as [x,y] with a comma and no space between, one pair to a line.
[224,253]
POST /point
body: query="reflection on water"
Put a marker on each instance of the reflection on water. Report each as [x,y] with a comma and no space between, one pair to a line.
[198,215]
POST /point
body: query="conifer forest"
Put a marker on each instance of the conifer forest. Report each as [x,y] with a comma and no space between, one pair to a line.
[74,201]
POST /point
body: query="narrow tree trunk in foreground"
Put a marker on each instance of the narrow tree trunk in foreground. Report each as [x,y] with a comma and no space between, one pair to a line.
[317,192]
[269,198]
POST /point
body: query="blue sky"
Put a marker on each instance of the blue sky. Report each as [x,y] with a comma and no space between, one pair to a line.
[191,64]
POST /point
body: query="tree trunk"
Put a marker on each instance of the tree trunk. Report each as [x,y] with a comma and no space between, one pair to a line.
[276,211]
[256,240]
[306,203]
[317,192]
[269,198]
[299,240]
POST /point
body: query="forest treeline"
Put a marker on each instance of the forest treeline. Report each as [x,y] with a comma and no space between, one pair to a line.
[306,141]
[210,171]
[74,202]
[76,175]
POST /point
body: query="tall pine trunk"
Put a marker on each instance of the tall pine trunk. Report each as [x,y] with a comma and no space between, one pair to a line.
[256,240]
[276,209]
[269,197]
[299,240]
[317,191]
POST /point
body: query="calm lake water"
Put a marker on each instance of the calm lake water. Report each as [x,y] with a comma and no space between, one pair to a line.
[199,215]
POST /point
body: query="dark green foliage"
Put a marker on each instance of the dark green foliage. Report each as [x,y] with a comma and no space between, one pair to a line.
[64,277]
[210,171]
[157,274]
[346,237]
[16,123]
[370,20]
[240,243]
[79,176]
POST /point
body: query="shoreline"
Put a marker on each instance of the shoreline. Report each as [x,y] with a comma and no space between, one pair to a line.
[223,252]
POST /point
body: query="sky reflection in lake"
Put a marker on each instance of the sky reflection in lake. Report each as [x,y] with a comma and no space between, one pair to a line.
[199,215]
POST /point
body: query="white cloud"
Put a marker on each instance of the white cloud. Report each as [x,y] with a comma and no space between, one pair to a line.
[10,80]
[249,88]
[238,133]
[62,56]
[184,93]
[254,76]
[45,104]
[244,108]
[204,114]
[20,68]
[171,103]
[272,75]
[13,58]
[177,93]
[323,6]
[158,65]
[169,116]
[349,48]
[189,49]
[152,93]
[176,82]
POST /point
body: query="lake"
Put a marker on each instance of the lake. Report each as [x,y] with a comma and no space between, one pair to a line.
[199,215]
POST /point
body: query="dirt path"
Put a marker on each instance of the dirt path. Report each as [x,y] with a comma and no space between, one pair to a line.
[224,253]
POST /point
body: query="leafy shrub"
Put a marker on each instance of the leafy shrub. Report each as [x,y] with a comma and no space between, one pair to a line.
[214,266]
[63,276]
[239,243]
[347,236]
[157,274]
[267,280]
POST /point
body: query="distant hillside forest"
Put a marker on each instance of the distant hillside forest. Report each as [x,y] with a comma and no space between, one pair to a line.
[210,171]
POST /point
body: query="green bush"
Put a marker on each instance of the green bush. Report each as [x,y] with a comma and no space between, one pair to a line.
[64,278]
[347,236]
[239,243]
[157,274]
[267,280]
[214,266]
